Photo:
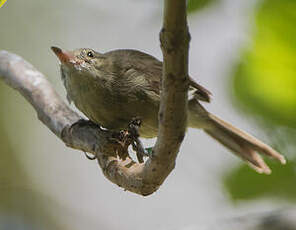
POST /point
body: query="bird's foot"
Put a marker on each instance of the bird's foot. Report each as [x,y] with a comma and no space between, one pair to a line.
[128,137]
[81,123]
[90,157]
[133,130]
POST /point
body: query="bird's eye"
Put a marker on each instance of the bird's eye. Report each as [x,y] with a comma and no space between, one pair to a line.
[90,54]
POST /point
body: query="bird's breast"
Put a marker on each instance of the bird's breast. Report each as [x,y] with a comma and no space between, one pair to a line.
[113,106]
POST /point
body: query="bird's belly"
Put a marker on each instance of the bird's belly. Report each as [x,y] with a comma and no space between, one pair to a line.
[114,111]
[117,116]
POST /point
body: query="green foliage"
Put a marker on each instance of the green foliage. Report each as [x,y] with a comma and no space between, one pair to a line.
[265,80]
[265,86]
[245,184]
[195,5]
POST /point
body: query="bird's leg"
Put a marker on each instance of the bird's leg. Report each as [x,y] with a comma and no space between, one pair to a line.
[128,137]
[133,129]
[122,141]
[124,138]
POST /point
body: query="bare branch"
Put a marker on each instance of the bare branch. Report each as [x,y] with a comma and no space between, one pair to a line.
[22,76]
[174,38]
[139,178]
[142,178]
[58,117]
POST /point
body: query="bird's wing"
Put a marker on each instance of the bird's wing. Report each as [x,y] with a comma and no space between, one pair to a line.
[200,93]
[151,68]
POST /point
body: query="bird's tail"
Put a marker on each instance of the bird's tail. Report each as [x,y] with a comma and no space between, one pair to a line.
[238,141]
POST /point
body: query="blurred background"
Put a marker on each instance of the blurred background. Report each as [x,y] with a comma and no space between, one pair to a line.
[244,52]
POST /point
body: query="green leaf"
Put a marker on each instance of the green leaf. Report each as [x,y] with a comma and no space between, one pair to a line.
[244,183]
[265,86]
[265,79]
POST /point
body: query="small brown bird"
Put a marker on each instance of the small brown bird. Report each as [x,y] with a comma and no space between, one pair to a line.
[113,88]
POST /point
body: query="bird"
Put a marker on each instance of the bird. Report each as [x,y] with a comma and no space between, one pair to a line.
[114,87]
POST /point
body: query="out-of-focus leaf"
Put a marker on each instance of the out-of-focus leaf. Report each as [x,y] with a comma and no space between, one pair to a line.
[195,5]
[244,184]
[265,80]
[265,86]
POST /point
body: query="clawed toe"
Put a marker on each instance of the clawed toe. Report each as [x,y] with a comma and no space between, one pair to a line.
[133,129]
[124,138]
[81,123]
[90,157]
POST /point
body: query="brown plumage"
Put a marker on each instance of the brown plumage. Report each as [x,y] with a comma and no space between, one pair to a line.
[113,88]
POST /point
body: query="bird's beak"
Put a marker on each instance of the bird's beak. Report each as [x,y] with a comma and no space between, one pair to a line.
[64,56]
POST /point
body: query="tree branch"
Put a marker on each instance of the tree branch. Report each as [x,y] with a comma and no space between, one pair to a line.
[174,38]
[139,178]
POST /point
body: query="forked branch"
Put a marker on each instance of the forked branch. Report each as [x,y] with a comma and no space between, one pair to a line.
[141,178]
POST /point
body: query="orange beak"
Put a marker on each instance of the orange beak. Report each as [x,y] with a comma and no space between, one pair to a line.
[64,56]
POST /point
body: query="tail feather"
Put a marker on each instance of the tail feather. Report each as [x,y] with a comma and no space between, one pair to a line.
[238,141]
[243,144]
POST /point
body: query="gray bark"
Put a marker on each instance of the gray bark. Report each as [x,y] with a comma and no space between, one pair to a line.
[143,178]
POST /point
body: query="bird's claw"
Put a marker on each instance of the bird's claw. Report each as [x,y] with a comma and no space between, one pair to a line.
[83,122]
[133,130]
[90,157]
